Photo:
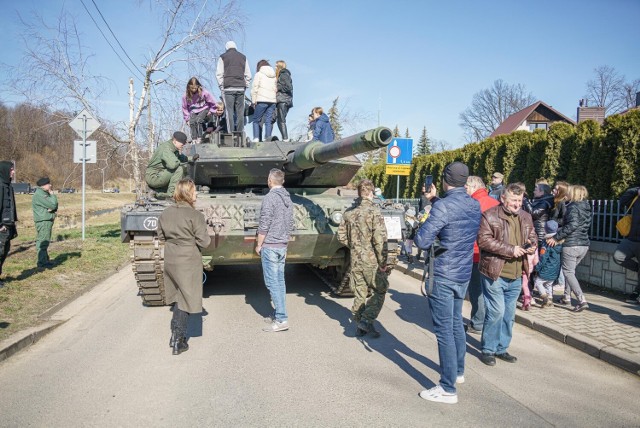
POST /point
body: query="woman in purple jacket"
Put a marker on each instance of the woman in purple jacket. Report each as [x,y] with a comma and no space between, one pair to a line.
[197,106]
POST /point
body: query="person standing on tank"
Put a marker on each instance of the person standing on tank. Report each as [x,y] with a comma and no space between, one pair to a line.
[322,129]
[198,106]
[284,97]
[233,76]
[263,98]
[184,232]
[274,229]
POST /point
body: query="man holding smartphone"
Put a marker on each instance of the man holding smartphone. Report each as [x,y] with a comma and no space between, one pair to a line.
[505,238]
[454,220]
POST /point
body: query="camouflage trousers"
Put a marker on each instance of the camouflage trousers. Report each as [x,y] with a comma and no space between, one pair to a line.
[361,281]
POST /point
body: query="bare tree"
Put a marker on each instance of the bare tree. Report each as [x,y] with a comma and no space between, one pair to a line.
[629,91]
[606,89]
[490,107]
[55,70]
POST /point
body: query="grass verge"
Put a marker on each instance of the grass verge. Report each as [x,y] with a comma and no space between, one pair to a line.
[29,292]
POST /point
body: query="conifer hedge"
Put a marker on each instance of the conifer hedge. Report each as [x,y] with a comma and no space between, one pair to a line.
[604,158]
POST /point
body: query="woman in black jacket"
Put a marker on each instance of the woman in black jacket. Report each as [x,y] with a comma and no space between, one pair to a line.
[540,208]
[284,97]
[575,233]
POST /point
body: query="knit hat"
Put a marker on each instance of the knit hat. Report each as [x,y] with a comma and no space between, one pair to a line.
[498,175]
[230,45]
[550,228]
[180,137]
[455,174]
[43,181]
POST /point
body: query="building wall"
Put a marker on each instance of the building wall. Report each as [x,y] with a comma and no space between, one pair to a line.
[599,269]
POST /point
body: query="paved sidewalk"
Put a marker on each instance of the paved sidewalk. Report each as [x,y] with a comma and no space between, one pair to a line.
[609,329]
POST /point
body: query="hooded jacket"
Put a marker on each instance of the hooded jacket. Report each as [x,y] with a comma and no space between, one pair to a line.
[540,210]
[264,86]
[285,88]
[8,213]
[577,222]
[322,130]
[276,218]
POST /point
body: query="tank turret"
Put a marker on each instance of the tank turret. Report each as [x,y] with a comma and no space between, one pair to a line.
[312,164]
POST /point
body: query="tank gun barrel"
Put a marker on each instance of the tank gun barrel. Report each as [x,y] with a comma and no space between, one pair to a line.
[315,153]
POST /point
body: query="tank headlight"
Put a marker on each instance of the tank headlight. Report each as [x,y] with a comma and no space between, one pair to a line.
[336,218]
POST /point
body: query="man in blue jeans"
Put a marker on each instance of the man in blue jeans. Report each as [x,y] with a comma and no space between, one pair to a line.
[505,237]
[454,219]
[274,228]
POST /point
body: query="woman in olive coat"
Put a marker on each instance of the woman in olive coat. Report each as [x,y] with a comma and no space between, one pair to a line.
[184,233]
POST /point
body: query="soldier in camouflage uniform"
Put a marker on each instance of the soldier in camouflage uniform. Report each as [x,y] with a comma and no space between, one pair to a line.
[166,166]
[363,228]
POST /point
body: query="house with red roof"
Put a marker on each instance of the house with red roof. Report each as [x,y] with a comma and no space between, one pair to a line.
[536,116]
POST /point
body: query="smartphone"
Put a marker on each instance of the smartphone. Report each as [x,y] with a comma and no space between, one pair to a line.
[527,246]
[428,181]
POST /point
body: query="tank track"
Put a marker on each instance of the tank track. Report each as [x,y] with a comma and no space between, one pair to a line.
[339,285]
[147,261]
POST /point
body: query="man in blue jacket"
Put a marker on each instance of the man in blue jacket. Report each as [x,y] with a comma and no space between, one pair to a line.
[454,220]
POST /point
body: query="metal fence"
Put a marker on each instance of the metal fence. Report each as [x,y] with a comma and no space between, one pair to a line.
[606,214]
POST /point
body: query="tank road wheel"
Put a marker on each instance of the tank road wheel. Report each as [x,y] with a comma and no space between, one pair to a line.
[147,260]
[336,277]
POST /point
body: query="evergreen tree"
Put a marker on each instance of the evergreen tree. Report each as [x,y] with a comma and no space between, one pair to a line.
[334,119]
[424,144]
[406,134]
[396,131]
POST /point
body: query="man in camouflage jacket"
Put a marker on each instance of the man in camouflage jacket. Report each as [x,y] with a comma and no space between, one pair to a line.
[361,230]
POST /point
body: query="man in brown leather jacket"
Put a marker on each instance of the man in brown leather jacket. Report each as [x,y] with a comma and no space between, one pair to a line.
[505,237]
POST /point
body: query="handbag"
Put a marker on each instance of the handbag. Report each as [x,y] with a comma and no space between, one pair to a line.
[624,224]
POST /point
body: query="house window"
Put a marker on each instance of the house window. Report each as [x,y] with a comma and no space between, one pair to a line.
[534,126]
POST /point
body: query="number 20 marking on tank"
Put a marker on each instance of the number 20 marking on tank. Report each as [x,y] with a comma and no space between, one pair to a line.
[150,223]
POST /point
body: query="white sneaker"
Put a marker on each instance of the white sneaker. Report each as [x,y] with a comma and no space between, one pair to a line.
[460,379]
[255,140]
[277,326]
[439,395]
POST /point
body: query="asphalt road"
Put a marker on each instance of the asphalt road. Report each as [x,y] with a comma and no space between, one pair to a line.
[110,365]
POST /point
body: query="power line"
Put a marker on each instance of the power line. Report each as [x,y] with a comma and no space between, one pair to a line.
[114,36]
[107,40]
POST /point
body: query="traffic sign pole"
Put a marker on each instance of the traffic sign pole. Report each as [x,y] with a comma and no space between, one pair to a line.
[84,124]
[84,166]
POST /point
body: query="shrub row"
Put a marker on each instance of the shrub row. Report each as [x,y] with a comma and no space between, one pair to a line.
[602,158]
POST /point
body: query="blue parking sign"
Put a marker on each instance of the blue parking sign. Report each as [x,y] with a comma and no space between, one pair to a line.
[400,151]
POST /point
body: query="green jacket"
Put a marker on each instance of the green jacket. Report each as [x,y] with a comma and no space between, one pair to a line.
[166,157]
[43,202]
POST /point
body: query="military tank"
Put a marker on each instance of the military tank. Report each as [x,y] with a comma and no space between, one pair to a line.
[231,173]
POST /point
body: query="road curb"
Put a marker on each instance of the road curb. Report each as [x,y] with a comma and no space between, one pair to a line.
[25,338]
[616,357]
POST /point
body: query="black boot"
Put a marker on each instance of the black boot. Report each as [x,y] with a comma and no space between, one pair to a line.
[372,330]
[180,345]
[174,318]
[362,328]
